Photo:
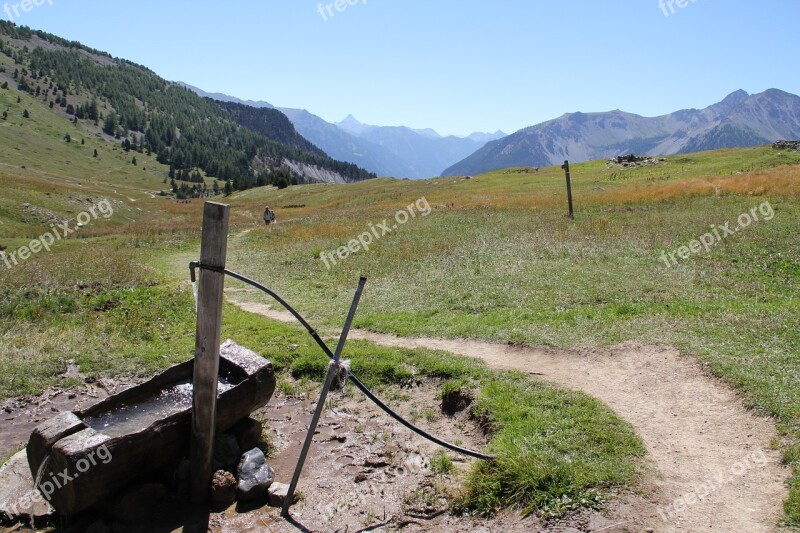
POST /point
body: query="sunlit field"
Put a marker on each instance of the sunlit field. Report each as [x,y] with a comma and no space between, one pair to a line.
[494,258]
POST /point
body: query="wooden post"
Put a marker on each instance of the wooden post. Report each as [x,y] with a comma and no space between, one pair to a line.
[565,166]
[213,253]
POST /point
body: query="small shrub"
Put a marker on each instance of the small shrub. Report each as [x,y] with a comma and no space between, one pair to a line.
[441,463]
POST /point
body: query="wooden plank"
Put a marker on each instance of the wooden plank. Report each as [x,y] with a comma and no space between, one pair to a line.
[213,253]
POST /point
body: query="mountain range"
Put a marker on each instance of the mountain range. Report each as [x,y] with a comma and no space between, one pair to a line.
[252,143]
[396,151]
[423,152]
[740,119]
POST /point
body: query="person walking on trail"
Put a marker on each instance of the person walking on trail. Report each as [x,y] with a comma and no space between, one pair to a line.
[269,217]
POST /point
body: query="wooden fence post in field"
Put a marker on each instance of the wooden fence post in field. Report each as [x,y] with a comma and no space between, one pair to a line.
[213,254]
[565,166]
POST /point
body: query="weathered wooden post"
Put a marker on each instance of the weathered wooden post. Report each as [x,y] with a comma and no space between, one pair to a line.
[565,166]
[213,254]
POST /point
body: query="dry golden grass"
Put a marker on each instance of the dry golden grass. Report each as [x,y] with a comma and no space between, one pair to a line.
[778,182]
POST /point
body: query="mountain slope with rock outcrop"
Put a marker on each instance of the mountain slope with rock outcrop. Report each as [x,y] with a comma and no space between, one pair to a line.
[740,120]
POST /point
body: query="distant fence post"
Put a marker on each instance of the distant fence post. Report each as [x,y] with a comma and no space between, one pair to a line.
[565,166]
[213,254]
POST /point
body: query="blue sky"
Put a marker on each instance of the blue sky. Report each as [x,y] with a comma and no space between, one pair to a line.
[454,65]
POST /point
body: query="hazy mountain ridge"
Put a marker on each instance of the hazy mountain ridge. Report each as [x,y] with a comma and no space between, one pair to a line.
[423,152]
[738,120]
[341,145]
[395,151]
[225,98]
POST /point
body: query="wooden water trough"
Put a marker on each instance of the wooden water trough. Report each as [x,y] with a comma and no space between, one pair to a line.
[81,458]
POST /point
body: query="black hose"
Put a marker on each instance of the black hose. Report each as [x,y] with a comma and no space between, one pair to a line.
[357,382]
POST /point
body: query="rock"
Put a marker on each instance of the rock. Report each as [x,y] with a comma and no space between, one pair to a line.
[337,438]
[247,433]
[278,493]
[226,452]
[17,496]
[223,488]
[376,462]
[137,501]
[340,378]
[787,145]
[255,475]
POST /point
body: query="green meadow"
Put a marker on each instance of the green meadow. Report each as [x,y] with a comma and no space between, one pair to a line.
[494,259]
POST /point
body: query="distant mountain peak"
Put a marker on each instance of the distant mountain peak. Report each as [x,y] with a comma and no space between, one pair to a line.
[741,94]
[352,125]
[735,98]
[730,102]
[739,120]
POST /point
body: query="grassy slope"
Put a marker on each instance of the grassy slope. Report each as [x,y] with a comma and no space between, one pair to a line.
[103,299]
[38,167]
[498,260]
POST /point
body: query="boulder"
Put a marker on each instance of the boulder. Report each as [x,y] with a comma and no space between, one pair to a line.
[18,498]
[787,145]
[255,475]
[278,493]
[223,489]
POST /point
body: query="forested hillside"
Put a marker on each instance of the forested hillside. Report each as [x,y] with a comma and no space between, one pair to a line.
[136,107]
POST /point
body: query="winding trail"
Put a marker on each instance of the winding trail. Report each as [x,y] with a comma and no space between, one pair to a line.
[700,439]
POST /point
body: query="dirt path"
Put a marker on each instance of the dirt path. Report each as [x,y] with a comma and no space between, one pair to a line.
[713,466]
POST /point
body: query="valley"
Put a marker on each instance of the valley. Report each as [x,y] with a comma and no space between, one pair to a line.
[632,369]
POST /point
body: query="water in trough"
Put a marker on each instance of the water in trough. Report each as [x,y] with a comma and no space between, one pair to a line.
[142,413]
